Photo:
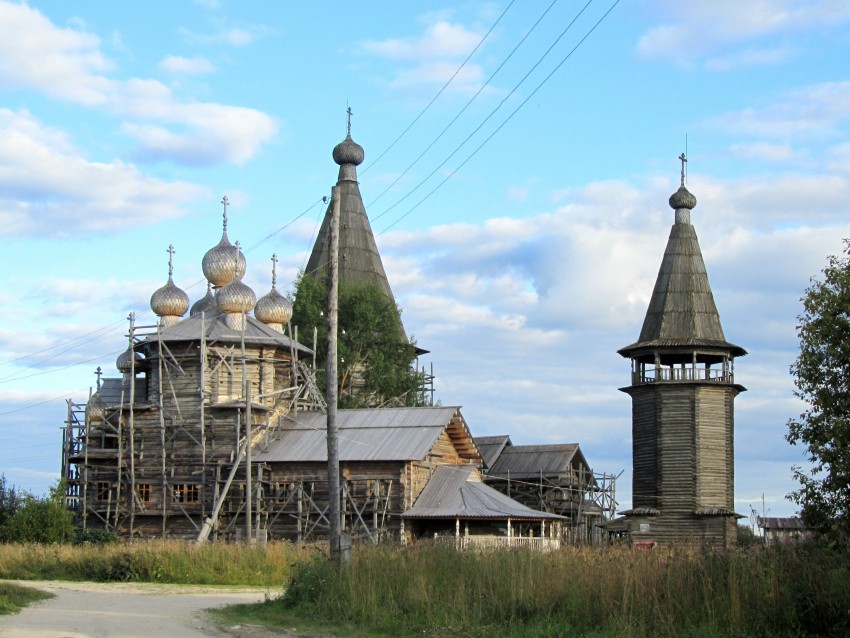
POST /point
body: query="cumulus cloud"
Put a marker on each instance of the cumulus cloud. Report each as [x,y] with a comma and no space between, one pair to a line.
[48,188]
[68,65]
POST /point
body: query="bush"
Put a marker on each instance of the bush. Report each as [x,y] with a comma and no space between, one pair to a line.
[95,536]
[43,521]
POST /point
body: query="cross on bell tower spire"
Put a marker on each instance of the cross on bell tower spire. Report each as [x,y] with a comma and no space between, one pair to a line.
[684,161]
[348,110]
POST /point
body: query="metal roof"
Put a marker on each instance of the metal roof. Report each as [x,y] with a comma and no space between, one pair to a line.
[378,434]
[256,332]
[491,447]
[530,461]
[111,390]
[777,523]
[682,311]
[456,491]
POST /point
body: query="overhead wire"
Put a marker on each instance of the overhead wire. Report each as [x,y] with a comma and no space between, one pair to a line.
[490,115]
[499,128]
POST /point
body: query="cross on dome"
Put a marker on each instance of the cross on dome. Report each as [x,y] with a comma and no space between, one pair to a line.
[684,160]
[225,202]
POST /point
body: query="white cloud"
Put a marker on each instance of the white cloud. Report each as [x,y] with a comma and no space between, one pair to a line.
[48,188]
[68,65]
[179,65]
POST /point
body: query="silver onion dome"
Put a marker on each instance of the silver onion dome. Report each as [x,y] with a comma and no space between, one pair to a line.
[169,303]
[682,198]
[124,362]
[273,309]
[236,297]
[224,262]
[205,304]
[95,409]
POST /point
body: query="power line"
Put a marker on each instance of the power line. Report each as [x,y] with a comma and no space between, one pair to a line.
[491,114]
[499,128]
[440,92]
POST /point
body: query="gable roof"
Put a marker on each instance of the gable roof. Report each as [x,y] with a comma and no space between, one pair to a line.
[376,434]
[491,447]
[530,461]
[456,491]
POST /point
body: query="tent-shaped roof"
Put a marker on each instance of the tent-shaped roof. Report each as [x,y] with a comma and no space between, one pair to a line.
[491,447]
[682,312]
[530,461]
[377,434]
[215,328]
[456,491]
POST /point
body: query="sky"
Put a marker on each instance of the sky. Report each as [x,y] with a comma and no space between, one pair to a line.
[519,159]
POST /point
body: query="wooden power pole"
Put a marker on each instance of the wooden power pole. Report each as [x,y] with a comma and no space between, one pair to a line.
[332,374]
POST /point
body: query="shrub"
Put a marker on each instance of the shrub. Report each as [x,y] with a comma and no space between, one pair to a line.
[95,536]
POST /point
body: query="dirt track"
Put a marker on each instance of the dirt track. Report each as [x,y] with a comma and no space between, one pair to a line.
[119,610]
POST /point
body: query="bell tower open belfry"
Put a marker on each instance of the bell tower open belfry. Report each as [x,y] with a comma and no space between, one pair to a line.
[683,391]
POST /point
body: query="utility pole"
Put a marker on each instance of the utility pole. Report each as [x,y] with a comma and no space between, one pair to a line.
[332,373]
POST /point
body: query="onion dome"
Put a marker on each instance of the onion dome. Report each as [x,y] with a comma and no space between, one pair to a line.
[206,304]
[348,152]
[223,262]
[95,409]
[682,198]
[236,297]
[124,362]
[273,309]
[169,303]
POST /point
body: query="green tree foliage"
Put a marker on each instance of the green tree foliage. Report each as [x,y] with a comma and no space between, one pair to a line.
[40,520]
[10,500]
[375,358]
[822,377]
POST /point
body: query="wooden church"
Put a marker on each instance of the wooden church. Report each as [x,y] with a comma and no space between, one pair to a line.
[683,391]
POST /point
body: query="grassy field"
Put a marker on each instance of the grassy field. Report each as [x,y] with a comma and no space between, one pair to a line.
[431,591]
[13,598]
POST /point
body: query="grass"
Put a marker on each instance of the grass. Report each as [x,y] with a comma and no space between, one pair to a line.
[430,590]
[13,598]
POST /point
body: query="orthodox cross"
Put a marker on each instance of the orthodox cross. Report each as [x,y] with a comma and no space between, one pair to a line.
[225,201]
[274,267]
[170,257]
[684,160]
[98,372]
[348,110]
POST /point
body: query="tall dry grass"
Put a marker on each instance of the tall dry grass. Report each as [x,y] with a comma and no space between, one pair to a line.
[156,561]
[437,591]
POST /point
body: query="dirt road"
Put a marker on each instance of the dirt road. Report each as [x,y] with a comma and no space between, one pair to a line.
[119,610]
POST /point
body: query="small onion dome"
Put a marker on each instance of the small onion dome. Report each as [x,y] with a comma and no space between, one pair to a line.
[125,359]
[169,303]
[235,298]
[348,152]
[95,408]
[223,263]
[273,309]
[205,304]
[682,198]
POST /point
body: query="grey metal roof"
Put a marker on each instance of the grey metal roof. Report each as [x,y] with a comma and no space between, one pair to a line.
[111,389]
[379,434]
[777,523]
[491,447]
[256,332]
[456,491]
[530,461]
[682,312]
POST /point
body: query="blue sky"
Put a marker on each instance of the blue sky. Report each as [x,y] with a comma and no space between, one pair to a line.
[122,125]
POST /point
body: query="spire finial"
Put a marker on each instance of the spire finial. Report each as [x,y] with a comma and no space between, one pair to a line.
[348,110]
[274,268]
[225,202]
[684,160]
[98,373]
[170,260]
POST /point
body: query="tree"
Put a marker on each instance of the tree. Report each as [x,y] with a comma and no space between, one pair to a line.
[375,358]
[10,500]
[822,378]
[40,520]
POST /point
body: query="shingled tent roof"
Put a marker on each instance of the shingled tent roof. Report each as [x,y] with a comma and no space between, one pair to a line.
[456,491]
[681,311]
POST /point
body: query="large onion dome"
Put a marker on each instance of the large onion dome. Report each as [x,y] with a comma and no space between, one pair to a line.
[236,297]
[205,304]
[224,262]
[169,303]
[273,309]
[348,152]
